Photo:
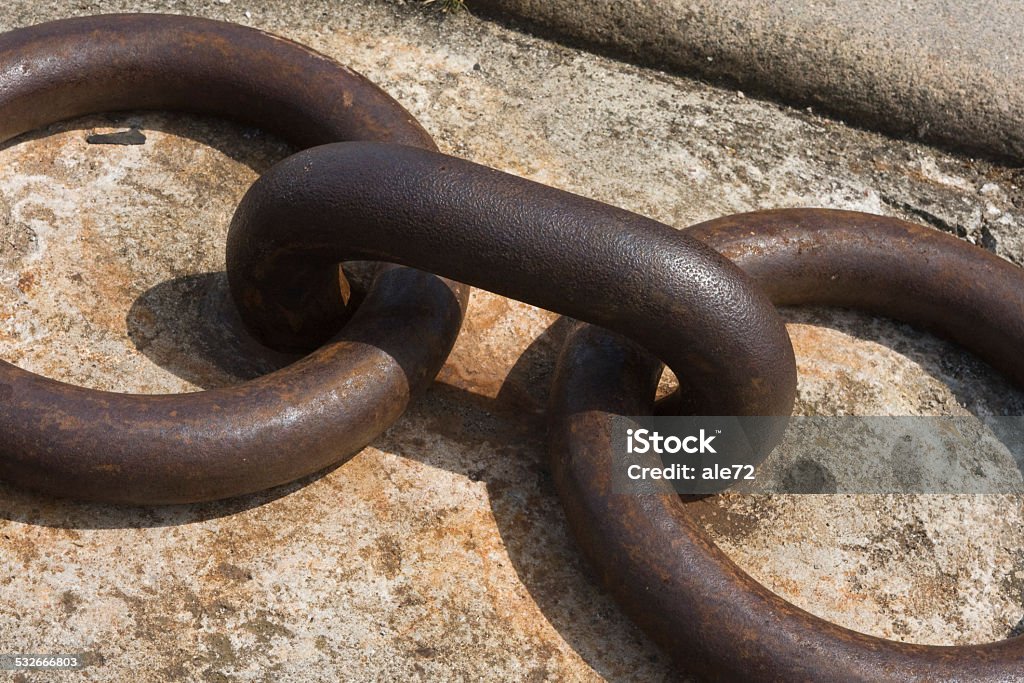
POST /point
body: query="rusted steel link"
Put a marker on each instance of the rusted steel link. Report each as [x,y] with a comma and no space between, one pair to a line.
[672,294]
[70,441]
[713,618]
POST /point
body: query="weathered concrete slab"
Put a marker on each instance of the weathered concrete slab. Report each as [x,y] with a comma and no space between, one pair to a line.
[441,551]
[941,71]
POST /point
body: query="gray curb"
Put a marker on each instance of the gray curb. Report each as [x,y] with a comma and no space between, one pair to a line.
[930,69]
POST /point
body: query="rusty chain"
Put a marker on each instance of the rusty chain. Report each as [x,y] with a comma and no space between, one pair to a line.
[370,185]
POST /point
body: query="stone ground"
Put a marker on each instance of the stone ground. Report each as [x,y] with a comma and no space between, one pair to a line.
[441,551]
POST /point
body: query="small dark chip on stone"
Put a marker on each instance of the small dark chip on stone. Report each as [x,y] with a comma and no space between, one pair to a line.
[132,136]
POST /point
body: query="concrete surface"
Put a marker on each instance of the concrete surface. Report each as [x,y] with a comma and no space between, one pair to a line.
[441,551]
[939,70]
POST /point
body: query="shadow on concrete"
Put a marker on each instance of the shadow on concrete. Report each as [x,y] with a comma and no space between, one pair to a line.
[190,327]
[25,507]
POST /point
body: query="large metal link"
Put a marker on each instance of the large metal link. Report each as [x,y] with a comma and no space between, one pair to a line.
[70,441]
[658,561]
[675,296]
